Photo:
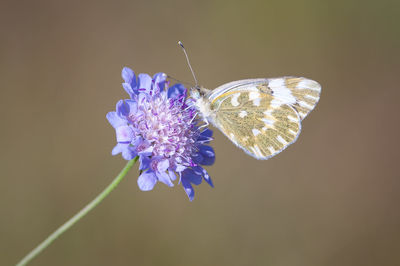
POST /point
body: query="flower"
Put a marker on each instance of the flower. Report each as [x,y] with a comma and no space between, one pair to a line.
[158,123]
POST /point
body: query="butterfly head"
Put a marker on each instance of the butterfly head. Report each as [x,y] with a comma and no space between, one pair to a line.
[199,95]
[198,92]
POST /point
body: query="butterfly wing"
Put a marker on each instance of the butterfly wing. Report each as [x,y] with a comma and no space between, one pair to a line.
[256,122]
[301,93]
[260,115]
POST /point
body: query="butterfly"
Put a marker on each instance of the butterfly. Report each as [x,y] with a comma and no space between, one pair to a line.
[260,116]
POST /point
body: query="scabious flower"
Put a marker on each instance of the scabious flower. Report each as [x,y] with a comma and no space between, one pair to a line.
[158,123]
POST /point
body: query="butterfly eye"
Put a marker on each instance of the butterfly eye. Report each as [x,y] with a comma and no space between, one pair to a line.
[195,93]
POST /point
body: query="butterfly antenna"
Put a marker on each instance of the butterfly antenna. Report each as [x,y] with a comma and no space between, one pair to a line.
[180,81]
[187,59]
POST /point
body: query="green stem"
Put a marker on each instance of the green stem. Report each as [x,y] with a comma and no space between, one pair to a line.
[78,216]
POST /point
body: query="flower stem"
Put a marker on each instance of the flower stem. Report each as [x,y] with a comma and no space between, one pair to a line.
[78,216]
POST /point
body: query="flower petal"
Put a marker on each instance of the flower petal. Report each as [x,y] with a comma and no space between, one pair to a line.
[145,83]
[124,134]
[126,108]
[164,177]
[115,120]
[129,76]
[118,148]
[144,150]
[201,171]
[163,165]
[190,175]
[179,168]
[205,136]
[147,181]
[207,177]
[128,153]
[142,98]
[172,175]
[144,162]
[177,91]
[122,108]
[136,142]
[133,106]
[188,189]
[128,89]
[130,84]
[159,80]
[208,154]
[198,158]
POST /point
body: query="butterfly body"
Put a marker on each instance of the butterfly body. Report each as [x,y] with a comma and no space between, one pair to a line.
[260,116]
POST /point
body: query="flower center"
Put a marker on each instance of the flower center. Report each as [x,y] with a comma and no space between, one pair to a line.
[168,127]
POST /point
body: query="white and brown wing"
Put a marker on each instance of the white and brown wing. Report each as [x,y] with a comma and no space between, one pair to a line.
[256,122]
[263,116]
[301,93]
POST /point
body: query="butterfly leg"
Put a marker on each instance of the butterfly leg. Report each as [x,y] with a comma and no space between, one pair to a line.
[206,124]
[194,117]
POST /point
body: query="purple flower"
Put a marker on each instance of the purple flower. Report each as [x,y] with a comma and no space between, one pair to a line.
[159,125]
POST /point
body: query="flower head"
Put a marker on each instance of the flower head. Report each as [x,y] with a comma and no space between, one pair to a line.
[158,123]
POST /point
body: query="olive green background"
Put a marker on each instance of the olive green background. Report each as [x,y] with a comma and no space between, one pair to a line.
[330,199]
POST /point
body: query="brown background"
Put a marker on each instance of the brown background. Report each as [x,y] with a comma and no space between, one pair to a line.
[330,199]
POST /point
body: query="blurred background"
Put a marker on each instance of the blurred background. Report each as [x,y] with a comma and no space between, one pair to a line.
[332,198]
